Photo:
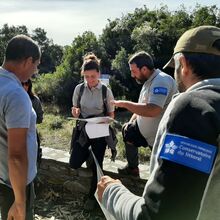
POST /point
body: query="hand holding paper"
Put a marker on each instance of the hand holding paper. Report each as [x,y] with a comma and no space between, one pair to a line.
[75,112]
[96,127]
[103,183]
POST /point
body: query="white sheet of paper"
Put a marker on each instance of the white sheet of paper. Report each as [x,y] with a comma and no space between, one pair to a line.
[104,119]
[107,214]
[97,130]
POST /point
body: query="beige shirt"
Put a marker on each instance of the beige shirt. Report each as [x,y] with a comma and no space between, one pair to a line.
[91,101]
[158,90]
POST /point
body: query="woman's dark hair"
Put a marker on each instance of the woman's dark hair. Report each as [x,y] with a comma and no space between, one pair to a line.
[29,91]
[90,62]
[22,47]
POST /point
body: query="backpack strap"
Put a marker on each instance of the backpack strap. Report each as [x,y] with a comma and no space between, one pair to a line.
[81,89]
[104,98]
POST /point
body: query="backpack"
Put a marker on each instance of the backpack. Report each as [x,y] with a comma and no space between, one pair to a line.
[104,96]
[75,133]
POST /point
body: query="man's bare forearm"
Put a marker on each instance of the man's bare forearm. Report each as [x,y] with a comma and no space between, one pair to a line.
[111,114]
[143,109]
[18,162]
[18,176]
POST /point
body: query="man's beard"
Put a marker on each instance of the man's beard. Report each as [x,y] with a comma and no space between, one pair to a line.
[177,75]
[141,80]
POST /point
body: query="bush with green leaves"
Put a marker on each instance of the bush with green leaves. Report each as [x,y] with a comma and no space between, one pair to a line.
[56,88]
[155,31]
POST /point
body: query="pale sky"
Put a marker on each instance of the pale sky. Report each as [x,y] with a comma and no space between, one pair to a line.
[63,20]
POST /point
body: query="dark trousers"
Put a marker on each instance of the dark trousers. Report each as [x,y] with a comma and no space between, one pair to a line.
[80,154]
[39,150]
[7,199]
[133,139]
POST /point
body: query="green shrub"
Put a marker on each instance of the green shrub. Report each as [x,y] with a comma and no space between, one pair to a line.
[56,88]
[56,124]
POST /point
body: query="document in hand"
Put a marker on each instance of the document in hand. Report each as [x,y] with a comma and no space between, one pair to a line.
[97,130]
[97,127]
[108,216]
[97,120]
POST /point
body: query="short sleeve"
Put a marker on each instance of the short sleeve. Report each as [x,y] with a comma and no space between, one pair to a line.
[160,91]
[18,110]
[76,95]
[110,97]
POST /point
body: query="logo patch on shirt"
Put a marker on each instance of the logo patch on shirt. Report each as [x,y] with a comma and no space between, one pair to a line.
[160,91]
[188,152]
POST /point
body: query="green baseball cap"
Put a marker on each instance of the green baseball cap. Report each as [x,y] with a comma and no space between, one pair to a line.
[197,40]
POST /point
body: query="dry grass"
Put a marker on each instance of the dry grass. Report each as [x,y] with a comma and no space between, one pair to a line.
[56,131]
[54,203]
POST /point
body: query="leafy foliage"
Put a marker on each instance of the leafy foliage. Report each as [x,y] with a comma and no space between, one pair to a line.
[155,31]
[123,83]
[51,53]
[6,33]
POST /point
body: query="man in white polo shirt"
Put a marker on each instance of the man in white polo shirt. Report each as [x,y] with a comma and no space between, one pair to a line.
[157,92]
[18,143]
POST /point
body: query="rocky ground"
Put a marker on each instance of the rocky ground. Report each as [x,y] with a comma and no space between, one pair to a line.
[55,204]
[61,191]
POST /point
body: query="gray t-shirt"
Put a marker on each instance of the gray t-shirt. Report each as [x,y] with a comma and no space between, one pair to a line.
[91,101]
[16,112]
[159,90]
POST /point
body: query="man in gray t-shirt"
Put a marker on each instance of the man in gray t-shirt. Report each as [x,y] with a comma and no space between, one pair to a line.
[157,91]
[18,143]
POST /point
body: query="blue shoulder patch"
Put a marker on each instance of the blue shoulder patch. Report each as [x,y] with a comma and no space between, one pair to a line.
[188,152]
[160,90]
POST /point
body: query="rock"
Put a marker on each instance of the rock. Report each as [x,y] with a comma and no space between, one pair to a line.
[76,186]
[82,172]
